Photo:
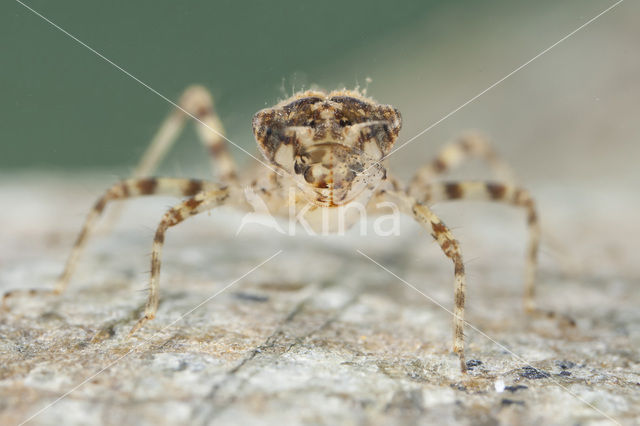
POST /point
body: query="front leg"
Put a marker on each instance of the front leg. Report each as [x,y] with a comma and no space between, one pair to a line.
[448,244]
[510,195]
[500,193]
[451,249]
[126,189]
[201,202]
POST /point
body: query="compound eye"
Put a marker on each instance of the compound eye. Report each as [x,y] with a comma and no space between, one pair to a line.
[308,175]
[345,122]
[299,167]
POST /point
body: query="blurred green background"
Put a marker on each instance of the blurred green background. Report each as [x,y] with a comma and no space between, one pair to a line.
[66,109]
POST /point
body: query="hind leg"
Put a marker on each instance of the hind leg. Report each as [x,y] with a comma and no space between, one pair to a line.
[453,155]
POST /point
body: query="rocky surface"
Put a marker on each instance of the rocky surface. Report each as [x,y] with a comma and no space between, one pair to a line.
[319,334]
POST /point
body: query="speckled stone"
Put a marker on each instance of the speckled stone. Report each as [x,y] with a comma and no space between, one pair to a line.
[318,335]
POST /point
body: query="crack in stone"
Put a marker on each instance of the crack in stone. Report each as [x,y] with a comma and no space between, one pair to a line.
[205,413]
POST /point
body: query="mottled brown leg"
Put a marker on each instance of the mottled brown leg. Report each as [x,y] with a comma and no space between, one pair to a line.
[198,102]
[453,155]
[451,249]
[125,189]
[503,193]
[201,202]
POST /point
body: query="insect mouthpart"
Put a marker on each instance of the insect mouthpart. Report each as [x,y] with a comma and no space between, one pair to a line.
[335,174]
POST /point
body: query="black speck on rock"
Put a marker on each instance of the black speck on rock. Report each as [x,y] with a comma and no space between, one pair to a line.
[533,373]
[565,365]
[250,297]
[473,363]
[564,373]
[506,401]
[458,387]
[515,388]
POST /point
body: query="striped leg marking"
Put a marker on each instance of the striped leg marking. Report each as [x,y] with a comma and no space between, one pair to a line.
[451,249]
[203,201]
[498,192]
[452,156]
[125,189]
[197,101]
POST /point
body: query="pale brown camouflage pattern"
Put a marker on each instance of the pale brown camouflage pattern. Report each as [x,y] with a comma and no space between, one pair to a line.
[329,146]
[325,141]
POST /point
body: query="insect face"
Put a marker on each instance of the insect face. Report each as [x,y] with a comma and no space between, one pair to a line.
[330,144]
